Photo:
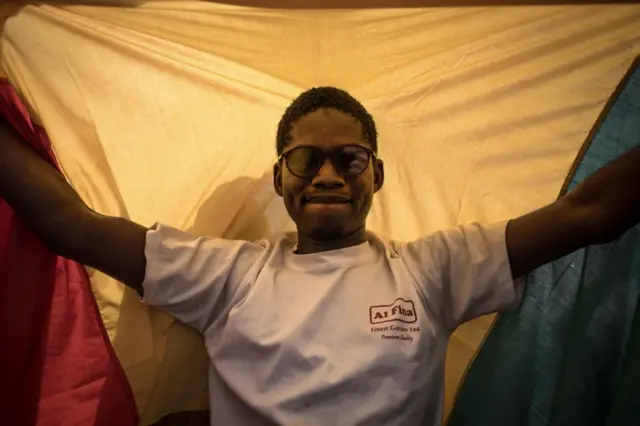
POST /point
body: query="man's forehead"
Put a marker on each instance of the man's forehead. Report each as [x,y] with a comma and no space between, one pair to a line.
[327,125]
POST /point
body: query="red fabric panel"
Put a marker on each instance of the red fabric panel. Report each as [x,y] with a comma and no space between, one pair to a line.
[57,366]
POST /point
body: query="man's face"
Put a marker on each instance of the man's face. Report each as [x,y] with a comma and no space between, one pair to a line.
[328,205]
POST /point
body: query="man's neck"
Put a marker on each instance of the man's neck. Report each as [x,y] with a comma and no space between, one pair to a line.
[308,245]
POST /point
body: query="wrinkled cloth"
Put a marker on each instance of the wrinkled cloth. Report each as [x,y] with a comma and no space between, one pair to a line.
[557,360]
[167,112]
[56,360]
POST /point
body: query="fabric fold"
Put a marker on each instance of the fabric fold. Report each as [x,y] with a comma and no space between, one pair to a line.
[56,357]
[569,353]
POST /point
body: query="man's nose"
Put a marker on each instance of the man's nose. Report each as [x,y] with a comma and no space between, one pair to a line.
[327,176]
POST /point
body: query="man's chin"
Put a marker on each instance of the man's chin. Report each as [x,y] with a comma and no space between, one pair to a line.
[326,235]
[325,228]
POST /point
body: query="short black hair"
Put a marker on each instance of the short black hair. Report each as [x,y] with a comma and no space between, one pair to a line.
[325,97]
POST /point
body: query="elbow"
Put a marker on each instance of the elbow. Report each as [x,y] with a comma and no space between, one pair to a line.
[58,243]
[610,222]
[64,233]
[62,247]
[598,222]
[608,231]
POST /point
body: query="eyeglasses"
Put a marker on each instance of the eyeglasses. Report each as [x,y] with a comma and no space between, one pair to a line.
[305,161]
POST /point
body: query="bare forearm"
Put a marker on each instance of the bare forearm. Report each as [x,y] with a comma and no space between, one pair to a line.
[39,195]
[614,192]
[599,210]
[44,200]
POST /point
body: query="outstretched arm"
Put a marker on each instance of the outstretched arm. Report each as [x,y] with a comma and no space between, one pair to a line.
[43,199]
[598,211]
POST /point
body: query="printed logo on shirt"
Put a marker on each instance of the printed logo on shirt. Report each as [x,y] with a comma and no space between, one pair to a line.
[400,310]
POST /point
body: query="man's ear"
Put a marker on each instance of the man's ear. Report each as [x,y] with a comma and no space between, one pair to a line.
[378,175]
[277,178]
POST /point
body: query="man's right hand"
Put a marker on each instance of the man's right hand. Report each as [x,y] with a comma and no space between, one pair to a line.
[44,200]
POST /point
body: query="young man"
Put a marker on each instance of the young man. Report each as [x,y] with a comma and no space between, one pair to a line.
[338,327]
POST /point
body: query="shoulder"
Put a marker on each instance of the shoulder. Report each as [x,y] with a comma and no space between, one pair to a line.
[166,240]
[469,237]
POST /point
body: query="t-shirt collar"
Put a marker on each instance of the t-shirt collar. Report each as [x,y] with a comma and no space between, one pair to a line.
[348,256]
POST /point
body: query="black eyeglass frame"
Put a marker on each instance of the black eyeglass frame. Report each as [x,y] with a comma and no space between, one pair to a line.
[370,155]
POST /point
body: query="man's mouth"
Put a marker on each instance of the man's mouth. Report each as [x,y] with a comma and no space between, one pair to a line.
[326,199]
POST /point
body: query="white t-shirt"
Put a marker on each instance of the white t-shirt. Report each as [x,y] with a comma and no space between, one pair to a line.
[355,336]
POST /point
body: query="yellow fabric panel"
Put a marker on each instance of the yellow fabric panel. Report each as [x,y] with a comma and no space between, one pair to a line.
[168,111]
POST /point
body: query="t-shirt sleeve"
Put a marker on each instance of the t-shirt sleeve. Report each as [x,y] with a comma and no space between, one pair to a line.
[463,272]
[194,279]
